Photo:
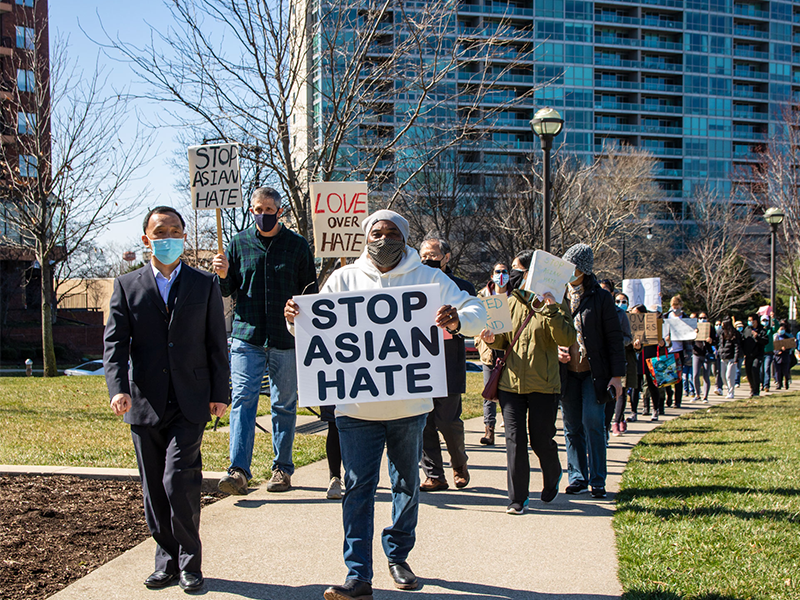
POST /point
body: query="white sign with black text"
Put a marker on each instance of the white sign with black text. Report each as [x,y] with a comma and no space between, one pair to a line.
[214,176]
[369,346]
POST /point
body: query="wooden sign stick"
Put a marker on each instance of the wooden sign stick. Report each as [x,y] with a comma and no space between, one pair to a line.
[219,231]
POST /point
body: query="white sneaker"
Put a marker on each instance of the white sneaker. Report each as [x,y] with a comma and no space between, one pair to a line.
[730,396]
[335,489]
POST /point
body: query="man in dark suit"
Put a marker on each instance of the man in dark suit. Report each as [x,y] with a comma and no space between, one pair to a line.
[166,366]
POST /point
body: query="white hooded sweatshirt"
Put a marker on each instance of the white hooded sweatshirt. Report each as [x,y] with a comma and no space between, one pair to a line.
[364,275]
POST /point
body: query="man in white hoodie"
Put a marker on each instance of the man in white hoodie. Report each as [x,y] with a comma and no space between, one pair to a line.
[366,428]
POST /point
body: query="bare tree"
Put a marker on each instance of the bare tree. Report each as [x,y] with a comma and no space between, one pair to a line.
[64,178]
[718,276]
[775,181]
[332,90]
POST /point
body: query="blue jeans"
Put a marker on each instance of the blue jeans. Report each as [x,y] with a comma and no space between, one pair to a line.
[247,370]
[766,369]
[362,444]
[584,431]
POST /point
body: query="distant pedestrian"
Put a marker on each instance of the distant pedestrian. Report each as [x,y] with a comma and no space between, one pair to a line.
[783,358]
[753,343]
[730,350]
[499,283]
[702,357]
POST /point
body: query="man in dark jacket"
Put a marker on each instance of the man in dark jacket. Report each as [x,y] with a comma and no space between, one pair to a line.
[166,367]
[596,365]
[446,414]
[753,343]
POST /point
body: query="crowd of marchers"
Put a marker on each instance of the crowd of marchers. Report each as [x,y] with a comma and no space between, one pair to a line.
[169,371]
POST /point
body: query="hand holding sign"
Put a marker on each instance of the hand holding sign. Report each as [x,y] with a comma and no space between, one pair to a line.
[549,274]
[499,313]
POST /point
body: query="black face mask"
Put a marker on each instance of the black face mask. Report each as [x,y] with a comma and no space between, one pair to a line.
[266,222]
[515,279]
[430,262]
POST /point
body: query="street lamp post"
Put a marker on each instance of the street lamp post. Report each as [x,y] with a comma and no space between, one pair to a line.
[773,216]
[547,124]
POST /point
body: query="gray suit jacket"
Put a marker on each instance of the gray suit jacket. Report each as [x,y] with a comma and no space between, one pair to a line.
[187,346]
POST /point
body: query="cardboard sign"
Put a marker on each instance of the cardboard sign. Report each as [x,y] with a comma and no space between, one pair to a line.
[789,344]
[703,331]
[214,176]
[549,273]
[499,313]
[643,291]
[646,328]
[765,310]
[369,346]
[337,210]
[681,330]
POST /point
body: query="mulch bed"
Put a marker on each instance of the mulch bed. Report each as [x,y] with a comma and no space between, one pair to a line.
[56,529]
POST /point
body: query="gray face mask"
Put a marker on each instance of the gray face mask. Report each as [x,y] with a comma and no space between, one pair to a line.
[386,252]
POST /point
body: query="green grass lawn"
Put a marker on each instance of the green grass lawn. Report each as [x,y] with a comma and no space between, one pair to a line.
[67,421]
[710,505]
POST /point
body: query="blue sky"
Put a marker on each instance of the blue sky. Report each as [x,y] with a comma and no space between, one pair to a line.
[128,20]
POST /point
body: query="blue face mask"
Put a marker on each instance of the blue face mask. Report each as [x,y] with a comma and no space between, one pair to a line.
[623,305]
[167,250]
[740,329]
[782,331]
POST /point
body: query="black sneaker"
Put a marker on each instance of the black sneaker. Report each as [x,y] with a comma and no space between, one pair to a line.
[598,492]
[353,589]
[576,488]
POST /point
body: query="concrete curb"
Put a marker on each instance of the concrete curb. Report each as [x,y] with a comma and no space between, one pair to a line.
[90,472]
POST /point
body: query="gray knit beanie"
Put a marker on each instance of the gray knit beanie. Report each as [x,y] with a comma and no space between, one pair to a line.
[582,257]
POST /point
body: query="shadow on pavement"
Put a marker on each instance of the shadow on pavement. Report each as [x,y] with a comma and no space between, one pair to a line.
[460,591]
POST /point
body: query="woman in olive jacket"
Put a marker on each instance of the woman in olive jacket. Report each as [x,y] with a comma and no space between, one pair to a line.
[529,390]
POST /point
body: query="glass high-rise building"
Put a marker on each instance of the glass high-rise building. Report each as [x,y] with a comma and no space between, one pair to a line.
[699,84]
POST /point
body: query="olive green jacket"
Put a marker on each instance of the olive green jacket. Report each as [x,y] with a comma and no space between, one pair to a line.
[532,365]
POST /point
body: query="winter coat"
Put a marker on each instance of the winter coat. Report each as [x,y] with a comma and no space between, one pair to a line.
[532,365]
[730,349]
[753,344]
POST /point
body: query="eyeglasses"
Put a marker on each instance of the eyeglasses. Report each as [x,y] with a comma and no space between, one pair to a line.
[504,271]
[618,302]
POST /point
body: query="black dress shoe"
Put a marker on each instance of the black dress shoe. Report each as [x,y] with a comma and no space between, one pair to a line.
[191,582]
[353,589]
[403,577]
[160,579]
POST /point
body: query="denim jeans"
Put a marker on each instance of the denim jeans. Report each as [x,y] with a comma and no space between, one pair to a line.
[247,370]
[362,443]
[584,431]
[767,370]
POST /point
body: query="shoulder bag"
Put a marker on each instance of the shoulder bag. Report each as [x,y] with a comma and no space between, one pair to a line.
[490,390]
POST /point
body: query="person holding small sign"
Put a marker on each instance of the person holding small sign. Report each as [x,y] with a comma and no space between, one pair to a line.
[783,357]
[445,418]
[393,423]
[529,389]
[500,283]
[265,265]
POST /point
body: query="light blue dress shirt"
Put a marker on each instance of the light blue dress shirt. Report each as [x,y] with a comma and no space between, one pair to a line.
[164,284]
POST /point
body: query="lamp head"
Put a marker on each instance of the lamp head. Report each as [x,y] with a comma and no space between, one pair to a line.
[547,122]
[773,216]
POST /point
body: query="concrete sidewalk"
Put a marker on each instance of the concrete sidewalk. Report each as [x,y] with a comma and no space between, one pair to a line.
[289,546]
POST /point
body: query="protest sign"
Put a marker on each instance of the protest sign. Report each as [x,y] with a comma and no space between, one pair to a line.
[765,310]
[215,181]
[703,331]
[645,327]
[788,344]
[681,330]
[499,313]
[337,210]
[549,273]
[643,291]
[214,173]
[369,346]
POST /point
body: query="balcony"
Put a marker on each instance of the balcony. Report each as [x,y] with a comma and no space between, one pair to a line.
[615,40]
[659,65]
[617,127]
[750,74]
[663,150]
[662,130]
[739,92]
[649,43]
[740,31]
[615,18]
[748,134]
[616,84]
[663,23]
[748,53]
[496,10]
[661,87]
[749,115]
[748,10]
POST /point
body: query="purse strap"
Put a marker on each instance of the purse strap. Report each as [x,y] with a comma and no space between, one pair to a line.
[516,336]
